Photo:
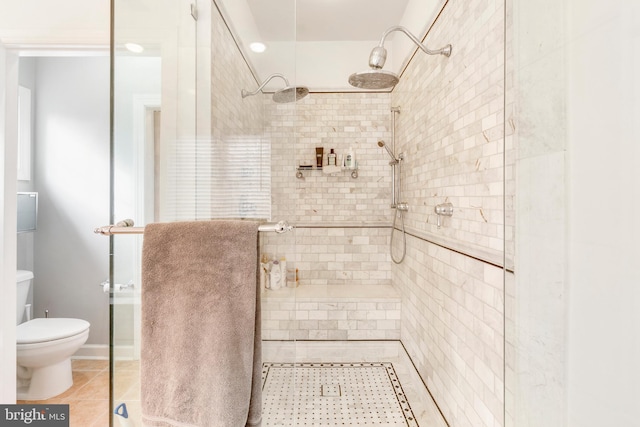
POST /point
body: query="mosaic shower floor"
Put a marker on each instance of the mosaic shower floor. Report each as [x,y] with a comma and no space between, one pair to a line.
[333,394]
[328,383]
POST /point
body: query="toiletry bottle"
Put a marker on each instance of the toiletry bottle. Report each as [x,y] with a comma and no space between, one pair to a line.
[331,158]
[275,276]
[319,157]
[264,272]
[283,271]
[349,161]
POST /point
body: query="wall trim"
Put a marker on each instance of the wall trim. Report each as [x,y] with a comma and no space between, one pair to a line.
[101,352]
[488,256]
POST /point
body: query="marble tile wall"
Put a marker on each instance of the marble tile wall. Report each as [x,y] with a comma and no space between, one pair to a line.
[452,327]
[341,121]
[343,221]
[334,256]
[315,313]
[451,128]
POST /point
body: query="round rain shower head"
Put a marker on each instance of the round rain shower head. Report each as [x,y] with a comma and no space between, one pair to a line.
[286,94]
[373,79]
[290,94]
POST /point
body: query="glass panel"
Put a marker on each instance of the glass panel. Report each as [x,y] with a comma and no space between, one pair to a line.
[155,161]
[187,146]
[437,314]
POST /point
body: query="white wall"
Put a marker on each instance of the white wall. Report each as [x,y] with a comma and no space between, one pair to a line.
[72,179]
[8,219]
[25,261]
[603,217]
[537,301]
[575,299]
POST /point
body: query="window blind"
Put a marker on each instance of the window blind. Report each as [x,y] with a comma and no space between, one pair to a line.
[220,179]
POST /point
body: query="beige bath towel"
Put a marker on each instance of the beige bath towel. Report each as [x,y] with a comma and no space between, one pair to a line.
[201,345]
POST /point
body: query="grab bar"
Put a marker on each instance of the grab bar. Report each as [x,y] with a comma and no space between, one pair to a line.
[121,228]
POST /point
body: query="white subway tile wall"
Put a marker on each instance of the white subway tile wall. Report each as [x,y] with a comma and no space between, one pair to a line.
[341,121]
[451,126]
[351,216]
[448,308]
[237,127]
[331,313]
[451,129]
[334,256]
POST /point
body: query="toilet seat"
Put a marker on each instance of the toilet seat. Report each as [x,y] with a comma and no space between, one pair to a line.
[49,329]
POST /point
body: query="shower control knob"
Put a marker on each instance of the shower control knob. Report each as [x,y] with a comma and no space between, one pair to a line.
[403,207]
[444,209]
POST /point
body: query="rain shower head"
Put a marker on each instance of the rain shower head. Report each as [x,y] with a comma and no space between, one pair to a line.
[373,79]
[286,94]
[386,147]
[376,77]
[290,94]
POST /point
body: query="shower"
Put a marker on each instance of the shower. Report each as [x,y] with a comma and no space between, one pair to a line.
[396,185]
[393,158]
[376,77]
[286,94]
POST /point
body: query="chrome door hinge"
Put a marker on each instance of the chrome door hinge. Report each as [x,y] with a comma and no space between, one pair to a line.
[194,11]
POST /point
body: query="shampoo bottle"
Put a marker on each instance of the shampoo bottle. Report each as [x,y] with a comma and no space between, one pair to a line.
[350,159]
[331,158]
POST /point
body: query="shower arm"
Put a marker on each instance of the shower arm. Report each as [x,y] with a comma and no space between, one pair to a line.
[246,93]
[379,53]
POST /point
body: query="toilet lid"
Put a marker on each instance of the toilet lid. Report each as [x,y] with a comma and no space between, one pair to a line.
[42,330]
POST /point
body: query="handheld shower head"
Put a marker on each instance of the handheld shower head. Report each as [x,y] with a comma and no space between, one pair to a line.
[382,144]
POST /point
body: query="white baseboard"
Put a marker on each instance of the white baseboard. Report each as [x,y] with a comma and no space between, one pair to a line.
[101,352]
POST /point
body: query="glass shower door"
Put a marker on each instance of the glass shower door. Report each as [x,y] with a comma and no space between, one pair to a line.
[154,119]
[186,146]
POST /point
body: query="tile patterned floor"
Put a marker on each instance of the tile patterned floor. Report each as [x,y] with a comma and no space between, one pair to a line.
[424,410]
[334,394]
[371,406]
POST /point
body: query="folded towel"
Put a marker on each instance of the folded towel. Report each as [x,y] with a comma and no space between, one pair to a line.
[201,356]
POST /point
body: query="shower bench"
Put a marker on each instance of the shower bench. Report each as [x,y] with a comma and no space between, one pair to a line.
[331,312]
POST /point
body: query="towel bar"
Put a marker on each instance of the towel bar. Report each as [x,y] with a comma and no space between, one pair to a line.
[108,230]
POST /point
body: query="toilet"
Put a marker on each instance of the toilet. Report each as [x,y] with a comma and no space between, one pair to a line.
[44,348]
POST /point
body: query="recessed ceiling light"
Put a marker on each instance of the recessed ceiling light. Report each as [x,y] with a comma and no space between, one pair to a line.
[134,47]
[257,47]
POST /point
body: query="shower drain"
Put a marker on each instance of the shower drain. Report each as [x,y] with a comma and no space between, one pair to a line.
[333,394]
[330,390]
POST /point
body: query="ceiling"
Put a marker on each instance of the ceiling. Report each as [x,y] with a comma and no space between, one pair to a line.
[316,43]
[325,20]
[319,43]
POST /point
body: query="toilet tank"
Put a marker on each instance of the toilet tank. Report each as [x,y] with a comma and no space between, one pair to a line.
[23,279]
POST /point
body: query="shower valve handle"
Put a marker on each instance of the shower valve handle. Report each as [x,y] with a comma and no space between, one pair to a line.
[445,209]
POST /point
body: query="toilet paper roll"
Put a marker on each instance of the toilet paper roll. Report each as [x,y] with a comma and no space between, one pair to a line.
[105,288]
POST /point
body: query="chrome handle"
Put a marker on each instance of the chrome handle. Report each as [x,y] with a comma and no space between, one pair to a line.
[445,209]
